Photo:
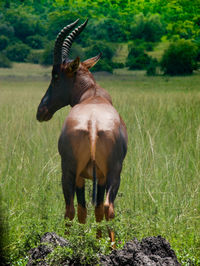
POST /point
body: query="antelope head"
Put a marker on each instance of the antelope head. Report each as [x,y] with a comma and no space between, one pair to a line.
[67,75]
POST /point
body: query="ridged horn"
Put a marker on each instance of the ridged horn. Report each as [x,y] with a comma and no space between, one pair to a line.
[57,59]
[69,40]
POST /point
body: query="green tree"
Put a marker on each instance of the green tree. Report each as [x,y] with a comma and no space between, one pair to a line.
[17,52]
[180,58]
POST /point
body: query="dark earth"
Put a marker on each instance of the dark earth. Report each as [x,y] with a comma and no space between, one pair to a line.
[150,251]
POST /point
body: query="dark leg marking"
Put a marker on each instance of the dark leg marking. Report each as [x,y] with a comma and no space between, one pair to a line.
[82,211]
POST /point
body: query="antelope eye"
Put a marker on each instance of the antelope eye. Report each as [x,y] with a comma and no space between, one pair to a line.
[55,76]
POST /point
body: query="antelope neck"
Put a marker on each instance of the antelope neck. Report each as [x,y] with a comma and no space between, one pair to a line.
[84,88]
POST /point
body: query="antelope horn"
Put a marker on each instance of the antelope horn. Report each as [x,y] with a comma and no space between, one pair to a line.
[69,40]
[59,42]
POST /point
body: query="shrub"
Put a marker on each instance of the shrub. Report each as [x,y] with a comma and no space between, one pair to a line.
[180,58]
[17,52]
[34,57]
[25,23]
[5,62]
[149,46]
[108,29]
[7,30]
[77,50]
[197,42]
[137,58]
[117,65]
[47,55]
[151,67]
[3,42]
[105,48]
[149,28]
[102,65]
[35,41]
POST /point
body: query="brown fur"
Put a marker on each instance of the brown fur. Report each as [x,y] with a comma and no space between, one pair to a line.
[93,135]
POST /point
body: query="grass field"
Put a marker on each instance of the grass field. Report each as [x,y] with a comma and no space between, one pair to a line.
[160,184]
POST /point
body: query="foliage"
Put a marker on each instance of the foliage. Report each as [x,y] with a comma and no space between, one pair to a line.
[35,41]
[162,159]
[137,58]
[117,64]
[17,52]
[103,65]
[47,55]
[83,246]
[149,28]
[35,57]
[107,29]
[197,42]
[77,50]
[110,21]
[3,42]
[24,23]
[151,67]
[180,58]
[107,50]
[6,30]
[5,62]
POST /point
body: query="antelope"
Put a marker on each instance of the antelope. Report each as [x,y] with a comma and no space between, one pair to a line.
[93,141]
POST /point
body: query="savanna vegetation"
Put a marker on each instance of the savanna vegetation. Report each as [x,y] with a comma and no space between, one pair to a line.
[160,188]
[28,29]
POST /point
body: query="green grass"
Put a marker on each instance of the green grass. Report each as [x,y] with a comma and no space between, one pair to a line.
[160,184]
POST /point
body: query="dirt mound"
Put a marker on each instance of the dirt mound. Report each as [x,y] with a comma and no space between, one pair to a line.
[151,251]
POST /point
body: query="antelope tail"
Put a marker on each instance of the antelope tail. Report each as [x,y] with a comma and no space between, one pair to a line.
[93,138]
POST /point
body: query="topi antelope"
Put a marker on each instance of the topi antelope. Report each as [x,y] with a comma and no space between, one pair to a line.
[93,141]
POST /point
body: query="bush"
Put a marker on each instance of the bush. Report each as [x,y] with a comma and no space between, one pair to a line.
[5,62]
[25,23]
[76,50]
[117,65]
[148,28]
[34,57]
[137,58]
[35,41]
[3,42]
[108,29]
[6,30]
[17,52]
[105,48]
[47,55]
[197,42]
[102,65]
[151,67]
[180,58]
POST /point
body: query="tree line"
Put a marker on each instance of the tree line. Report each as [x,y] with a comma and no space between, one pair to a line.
[28,28]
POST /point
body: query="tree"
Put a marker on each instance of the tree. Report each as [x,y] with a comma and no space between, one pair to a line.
[17,52]
[180,58]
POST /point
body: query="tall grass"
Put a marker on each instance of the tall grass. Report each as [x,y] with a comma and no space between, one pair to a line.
[160,182]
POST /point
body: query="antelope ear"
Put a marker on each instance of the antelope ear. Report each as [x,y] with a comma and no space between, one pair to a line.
[92,61]
[73,66]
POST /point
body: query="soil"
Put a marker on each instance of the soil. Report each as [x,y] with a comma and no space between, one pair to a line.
[150,251]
